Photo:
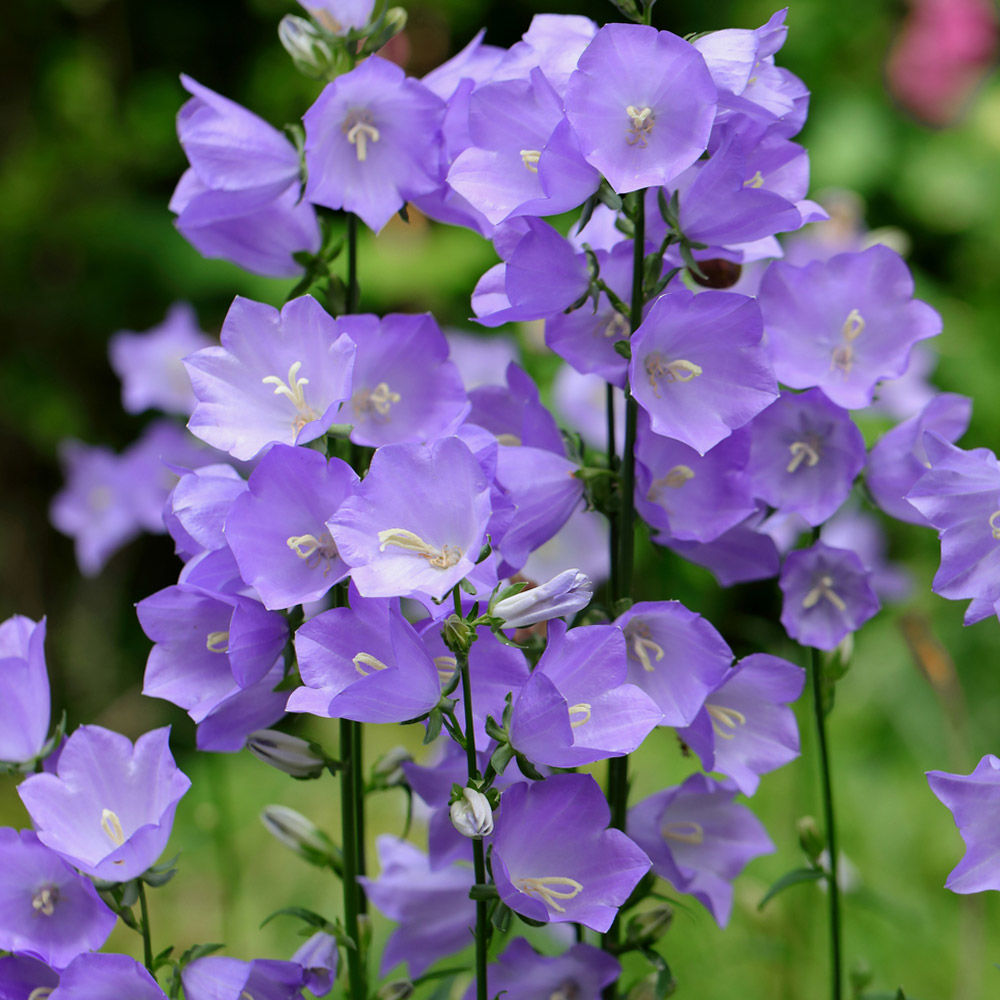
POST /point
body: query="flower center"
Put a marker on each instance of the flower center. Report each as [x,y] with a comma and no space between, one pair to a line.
[550,889]
[442,558]
[640,125]
[684,831]
[642,645]
[530,158]
[217,642]
[824,589]
[313,549]
[755,182]
[579,714]
[44,900]
[295,393]
[112,826]
[725,718]
[99,499]
[360,131]
[657,368]
[802,451]
[994,523]
[378,401]
[617,326]
[367,660]
[568,990]
[843,353]
[674,480]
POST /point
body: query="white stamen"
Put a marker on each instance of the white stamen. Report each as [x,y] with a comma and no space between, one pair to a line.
[41,993]
[729,718]
[362,660]
[530,158]
[853,326]
[802,451]
[657,367]
[756,181]
[112,826]
[217,642]
[674,480]
[824,589]
[294,392]
[582,710]
[44,900]
[843,355]
[442,558]
[379,400]
[509,440]
[642,644]
[618,326]
[544,887]
[641,121]
[685,831]
[995,524]
[313,549]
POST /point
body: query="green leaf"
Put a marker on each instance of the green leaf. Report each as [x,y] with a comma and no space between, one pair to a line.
[789,879]
[624,348]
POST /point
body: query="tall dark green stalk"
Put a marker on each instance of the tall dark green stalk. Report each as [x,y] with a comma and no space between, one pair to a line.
[829,824]
[147,938]
[623,556]
[357,762]
[356,976]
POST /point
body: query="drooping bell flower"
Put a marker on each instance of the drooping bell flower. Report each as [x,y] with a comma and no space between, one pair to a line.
[699,839]
[676,657]
[843,324]
[372,141]
[581,972]
[318,957]
[404,387]
[576,706]
[276,377]
[805,454]
[827,595]
[417,523]
[745,728]
[698,367]
[565,594]
[46,908]
[218,977]
[973,800]
[277,528]
[25,707]
[642,104]
[109,807]
[101,975]
[555,860]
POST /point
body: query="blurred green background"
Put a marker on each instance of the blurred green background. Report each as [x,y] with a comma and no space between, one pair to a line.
[87,246]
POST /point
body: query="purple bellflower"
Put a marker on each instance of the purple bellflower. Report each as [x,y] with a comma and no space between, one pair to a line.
[642,104]
[974,800]
[47,908]
[109,807]
[554,858]
[217,977]
[372,142]
[698,368]
[276,377]
[340,16]
[197,507]
[24,690]
[553,43]
[101,975]
[22,976]
[318,958]
[827,595]
[699,839]
[738,555]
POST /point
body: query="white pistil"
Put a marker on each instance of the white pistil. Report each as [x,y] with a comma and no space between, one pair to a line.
[756,181]
[217,642]
[843,354]
[641,121]
[685,831]
[363,660]
[530,158]
[725,718]
[293,390]
[642,644]
[44,900]
[657,367]
[824,589]
[442,558]
[550,889]
[112,826]
[41,993]
[674,480]
[379,400]
[995,524]
[509,440]
[446,667]
[617,327]
[360,131]
[314,550]
[802,451]
[582,711]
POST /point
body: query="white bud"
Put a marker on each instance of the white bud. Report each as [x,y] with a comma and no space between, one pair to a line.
[471,814]
[304,42]
[287,753]
[566,593]
[301,835]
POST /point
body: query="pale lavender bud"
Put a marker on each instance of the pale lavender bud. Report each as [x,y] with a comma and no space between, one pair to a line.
[564,594]
[301,835]
[471,815]
[305,43]
[291,754]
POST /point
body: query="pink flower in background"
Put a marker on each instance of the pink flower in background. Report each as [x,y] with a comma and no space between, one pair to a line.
[943,51]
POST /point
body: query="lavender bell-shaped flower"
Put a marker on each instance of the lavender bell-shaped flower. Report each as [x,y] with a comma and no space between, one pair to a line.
[218,977]
[276,377]
[22,976]
[24,690]
[109,807]
[99,976]
[565,594]
[554,858]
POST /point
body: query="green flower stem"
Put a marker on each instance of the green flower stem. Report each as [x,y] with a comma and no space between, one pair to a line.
[612,467]
[624,557]
[357,762]
[829,823]
[353,291]
[147,940]
[356,977]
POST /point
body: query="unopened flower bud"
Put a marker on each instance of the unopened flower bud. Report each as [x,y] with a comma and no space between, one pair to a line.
[810,839]
[401,989]
[304,42]
[457,634]
[649,926]
[301,835]
[291,754]
[388,768]
[471,814]
[564,594]
[390,25]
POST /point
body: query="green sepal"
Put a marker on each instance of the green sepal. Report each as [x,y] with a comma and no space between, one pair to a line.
[794,877]
[435,720]
[160,874]
[624,348]
[689,262]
